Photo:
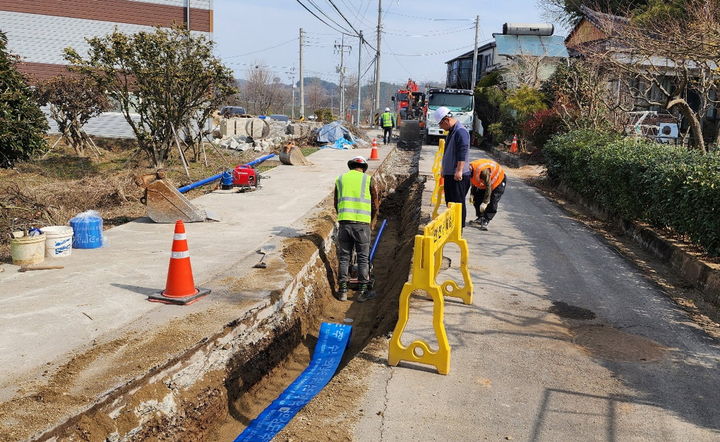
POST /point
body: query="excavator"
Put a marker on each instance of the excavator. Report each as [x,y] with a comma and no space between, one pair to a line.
[410,110]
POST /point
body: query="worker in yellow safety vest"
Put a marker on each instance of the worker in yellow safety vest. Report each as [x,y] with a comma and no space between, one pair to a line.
[355,202]
[487,187]
[387,121]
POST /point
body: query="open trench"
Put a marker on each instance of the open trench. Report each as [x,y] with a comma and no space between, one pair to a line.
[290,353]
[215,388]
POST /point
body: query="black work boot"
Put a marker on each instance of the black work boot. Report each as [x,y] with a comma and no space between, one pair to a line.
[342,291]
[364,293]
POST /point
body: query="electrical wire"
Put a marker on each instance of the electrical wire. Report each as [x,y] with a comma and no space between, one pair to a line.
[447,32]
[316,16]
[431,53]
[343,16]
[429,18]
[263,50]
[321,11]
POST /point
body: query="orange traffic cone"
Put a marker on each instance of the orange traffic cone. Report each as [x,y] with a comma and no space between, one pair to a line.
[513,146]
[180,287]
[374,151]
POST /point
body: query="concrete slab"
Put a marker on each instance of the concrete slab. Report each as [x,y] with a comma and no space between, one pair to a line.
[565,340]
[47,315]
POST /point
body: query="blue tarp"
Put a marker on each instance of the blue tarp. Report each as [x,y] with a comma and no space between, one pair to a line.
[332,132]
[328,352]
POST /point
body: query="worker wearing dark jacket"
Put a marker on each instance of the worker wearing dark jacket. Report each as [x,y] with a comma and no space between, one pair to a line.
[455,164]
[488,185]
[387,121]
[355,200]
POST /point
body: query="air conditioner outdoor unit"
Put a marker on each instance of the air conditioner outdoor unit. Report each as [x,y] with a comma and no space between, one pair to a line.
[668,132]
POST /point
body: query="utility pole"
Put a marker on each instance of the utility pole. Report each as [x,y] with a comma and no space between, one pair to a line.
[475,54]
[341,47]
[302,80]
[377,63]
[187,14]
[360,43]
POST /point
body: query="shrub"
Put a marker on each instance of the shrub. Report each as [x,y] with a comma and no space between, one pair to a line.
[666,186]
[22,123]
[325,115]
[541,126]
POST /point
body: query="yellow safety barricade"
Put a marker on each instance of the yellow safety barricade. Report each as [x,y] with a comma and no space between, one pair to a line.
[427,259]
[438,194]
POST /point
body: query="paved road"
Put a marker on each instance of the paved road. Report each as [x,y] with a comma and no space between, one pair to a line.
[565,341]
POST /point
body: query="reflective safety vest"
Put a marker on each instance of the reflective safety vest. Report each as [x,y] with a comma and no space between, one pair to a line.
[497,174]
[387,119]
[353,190]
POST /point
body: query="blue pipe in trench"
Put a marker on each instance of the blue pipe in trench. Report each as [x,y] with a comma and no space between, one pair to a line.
[377,239]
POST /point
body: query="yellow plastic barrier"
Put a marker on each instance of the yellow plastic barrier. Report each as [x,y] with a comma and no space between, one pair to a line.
[438,193]
[427,259]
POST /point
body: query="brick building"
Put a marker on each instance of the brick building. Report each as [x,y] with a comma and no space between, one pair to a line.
[39,31]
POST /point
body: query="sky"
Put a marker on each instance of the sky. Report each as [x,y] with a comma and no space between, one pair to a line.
[419,35]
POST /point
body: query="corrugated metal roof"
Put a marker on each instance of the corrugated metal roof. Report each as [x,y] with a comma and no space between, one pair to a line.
[531,45]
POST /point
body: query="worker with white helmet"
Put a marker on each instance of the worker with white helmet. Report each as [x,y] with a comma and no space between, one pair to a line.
[355,202]
[455,163]
[387,121]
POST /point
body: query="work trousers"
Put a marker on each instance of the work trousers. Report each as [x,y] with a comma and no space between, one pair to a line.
[456,192]
[478,197]
[354,236]
[387,134]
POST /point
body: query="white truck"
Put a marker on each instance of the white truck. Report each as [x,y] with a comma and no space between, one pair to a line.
[461,103]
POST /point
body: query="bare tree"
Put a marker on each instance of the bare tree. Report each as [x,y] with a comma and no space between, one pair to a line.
[316,97]
[666,63]
[585,96]
[263,91]
[526,70]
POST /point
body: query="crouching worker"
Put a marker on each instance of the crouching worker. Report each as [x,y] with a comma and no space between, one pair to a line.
[355,201]
[488,185]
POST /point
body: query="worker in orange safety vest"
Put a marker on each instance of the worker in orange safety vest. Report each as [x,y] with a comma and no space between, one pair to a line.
[487,187]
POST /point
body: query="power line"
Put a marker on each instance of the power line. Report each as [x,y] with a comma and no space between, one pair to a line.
[429,18]
[316,16]
[447,32]
[262,50]
[320,10]
[343,17]
[431,53]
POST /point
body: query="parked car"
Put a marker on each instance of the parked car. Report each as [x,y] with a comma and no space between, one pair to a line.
[232,111]
[279,117]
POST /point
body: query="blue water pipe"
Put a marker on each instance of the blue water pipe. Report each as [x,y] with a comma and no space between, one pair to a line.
[377,239]
[219,175]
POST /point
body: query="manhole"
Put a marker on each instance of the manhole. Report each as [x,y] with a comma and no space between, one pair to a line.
[565,310]
[616,345]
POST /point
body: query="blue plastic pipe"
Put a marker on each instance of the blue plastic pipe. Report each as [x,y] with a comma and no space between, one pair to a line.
[200,183]
[377,239]
[260,160]
[219,175]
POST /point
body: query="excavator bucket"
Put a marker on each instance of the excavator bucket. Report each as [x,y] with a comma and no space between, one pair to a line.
[165,204]
[291,155]
[410,135]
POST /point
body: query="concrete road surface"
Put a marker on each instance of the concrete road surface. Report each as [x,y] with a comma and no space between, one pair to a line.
[565,341]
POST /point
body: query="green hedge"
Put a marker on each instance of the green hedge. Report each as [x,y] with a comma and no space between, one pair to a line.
[666,186]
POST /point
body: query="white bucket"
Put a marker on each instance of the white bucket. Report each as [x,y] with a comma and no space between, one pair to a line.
[27,250]
[58,241]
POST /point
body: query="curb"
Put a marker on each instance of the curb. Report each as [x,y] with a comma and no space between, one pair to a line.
[698,273]
[701,275]
[514,161]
